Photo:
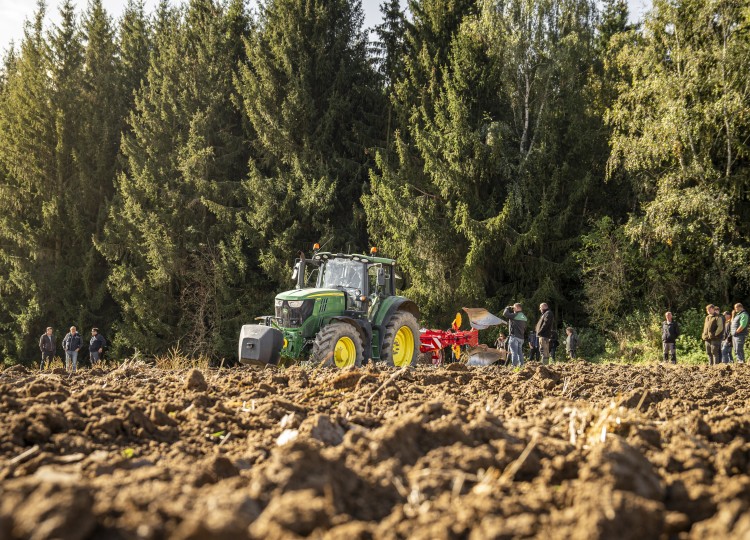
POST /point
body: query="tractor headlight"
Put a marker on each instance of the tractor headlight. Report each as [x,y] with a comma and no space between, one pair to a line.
[296,303]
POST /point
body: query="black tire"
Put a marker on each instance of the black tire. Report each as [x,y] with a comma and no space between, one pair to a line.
[324,348]
[400,320]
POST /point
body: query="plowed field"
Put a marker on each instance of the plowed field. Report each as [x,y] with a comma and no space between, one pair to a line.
[568,451]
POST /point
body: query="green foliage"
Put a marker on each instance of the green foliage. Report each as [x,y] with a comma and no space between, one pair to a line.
[592,343]
[494,180]
[158,175]
[308,90]
[177,263]
[681,132]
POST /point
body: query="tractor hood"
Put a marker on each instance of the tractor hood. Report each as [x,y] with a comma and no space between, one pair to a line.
[305,294]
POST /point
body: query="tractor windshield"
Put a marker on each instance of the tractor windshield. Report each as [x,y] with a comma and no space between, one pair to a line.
[342,273]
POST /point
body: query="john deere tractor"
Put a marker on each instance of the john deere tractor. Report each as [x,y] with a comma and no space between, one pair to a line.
[350,316]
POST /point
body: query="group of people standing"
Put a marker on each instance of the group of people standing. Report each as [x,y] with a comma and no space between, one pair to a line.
[71,343]
[723,333]
[543,341]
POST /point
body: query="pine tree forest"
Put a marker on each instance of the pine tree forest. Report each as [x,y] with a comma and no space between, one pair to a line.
[160,172]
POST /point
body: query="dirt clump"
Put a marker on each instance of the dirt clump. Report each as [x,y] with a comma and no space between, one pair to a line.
[562,451]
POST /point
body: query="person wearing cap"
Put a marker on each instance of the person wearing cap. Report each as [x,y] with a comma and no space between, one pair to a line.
[726,341]
[96,346]
[739,332]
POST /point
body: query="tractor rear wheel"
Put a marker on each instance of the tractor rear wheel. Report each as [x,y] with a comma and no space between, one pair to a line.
[338,345]
[401,340]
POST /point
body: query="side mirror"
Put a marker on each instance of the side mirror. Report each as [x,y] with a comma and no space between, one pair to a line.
[295,272]
[381,277]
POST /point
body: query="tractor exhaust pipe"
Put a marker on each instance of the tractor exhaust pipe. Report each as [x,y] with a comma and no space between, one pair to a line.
[299,271]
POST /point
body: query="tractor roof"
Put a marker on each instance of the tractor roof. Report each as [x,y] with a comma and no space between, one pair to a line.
[324,255]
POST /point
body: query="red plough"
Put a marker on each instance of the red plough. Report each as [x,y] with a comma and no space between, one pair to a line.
[435,342]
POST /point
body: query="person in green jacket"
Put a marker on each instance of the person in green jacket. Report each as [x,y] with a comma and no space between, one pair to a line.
[739,332]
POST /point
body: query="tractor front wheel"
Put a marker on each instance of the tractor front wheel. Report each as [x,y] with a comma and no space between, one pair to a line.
[401,340]
[338,345]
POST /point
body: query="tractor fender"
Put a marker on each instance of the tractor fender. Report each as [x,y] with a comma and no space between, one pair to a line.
[395,303]
[363,327]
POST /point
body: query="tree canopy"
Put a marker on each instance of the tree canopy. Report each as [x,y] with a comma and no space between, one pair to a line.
[160,172]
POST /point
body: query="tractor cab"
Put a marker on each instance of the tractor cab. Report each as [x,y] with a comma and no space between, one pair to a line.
[363,279]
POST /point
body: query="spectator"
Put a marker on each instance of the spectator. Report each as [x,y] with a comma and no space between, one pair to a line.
[501,342]
[571,342]
[71,346]
[545,327]
[533,346]
[739,332]
[554,343]
[517,329]
[726,341]
[670,331]
[48,348]
[96,346]
[713,330]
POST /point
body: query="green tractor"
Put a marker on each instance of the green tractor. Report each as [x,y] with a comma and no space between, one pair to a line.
[350,316]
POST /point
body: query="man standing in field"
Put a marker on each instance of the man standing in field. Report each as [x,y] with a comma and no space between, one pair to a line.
[670,331]
[71,346]
[517,329]
[739,332]
[545,327]
[713,330]
[96,346]
[48,348]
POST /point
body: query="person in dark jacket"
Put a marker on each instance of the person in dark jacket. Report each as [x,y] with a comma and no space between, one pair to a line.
[739,332]
[517,329]
[670,331]
[713,330]
[533,346]
[726,339]
[96,346]
[48,348]
[554,343]
[571,342]
[545,326]
[71,346]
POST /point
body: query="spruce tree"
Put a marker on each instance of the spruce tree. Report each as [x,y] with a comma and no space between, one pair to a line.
[178,271]
[498,169]
[43,239]
[134,46]
[102,114]
[401,186]
[310,94]
[390,48]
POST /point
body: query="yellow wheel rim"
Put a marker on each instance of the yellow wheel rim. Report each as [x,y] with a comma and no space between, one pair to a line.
[345,353]
[403,347]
